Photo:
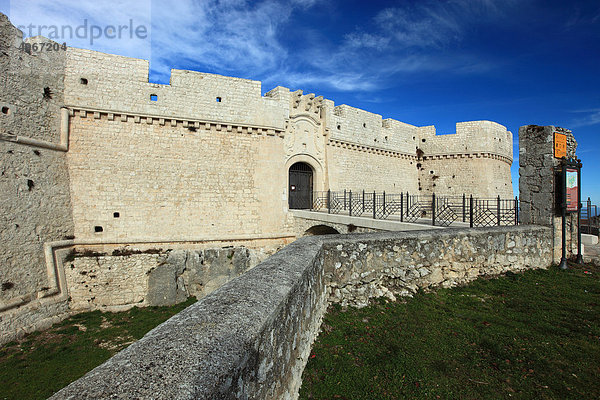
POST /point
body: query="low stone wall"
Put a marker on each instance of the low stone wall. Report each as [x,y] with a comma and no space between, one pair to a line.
[37,314]
[251,338]
[386,265]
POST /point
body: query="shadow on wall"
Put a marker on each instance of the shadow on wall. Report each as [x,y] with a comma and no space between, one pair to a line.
[321,230]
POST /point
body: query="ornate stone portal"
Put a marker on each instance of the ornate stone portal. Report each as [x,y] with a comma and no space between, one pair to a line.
[305,133]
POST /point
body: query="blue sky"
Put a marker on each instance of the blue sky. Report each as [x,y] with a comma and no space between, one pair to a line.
[421,62]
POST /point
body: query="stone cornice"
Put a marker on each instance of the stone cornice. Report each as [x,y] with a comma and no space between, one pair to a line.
[186,122]
[477,154]
[371,149]
[440,156]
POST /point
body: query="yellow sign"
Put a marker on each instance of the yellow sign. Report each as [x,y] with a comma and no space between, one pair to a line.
[560,145]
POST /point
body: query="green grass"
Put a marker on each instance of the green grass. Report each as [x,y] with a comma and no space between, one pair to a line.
[43,362]
[534,335]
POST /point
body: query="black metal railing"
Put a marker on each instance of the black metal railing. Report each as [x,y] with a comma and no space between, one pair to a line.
[590,221]
[404,207]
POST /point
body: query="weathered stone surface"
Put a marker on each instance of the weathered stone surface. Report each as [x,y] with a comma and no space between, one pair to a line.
[162,286]
[250,339]
[108,282]
[178,259]
[538,182]
[35,198]
[116,281]
[385,264]
[208,270]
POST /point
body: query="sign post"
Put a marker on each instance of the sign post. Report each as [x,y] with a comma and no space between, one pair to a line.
[579,259]
[570,202]
[572,189]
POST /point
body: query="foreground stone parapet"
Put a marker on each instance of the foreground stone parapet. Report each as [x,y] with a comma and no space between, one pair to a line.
[251,338]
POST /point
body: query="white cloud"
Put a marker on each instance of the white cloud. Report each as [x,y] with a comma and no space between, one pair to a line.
[434,24]
[579,17]
[422,25]
[420,37]
[247,38]
[305,4]
[592,150]
[367,40]
[342,81]
[229,36]
[592,118]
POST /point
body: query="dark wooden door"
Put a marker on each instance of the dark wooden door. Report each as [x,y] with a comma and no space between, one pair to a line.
[301,180]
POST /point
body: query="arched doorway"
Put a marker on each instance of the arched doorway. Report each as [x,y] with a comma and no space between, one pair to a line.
[301,186]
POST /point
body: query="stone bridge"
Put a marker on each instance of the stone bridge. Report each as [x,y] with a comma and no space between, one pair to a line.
[319,223]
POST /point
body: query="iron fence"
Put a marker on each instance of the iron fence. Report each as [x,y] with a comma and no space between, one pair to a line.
[404,207]
[590,221]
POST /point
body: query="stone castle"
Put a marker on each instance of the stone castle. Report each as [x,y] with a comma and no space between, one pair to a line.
[94,156]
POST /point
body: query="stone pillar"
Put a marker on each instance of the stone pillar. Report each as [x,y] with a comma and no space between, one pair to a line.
[538,182]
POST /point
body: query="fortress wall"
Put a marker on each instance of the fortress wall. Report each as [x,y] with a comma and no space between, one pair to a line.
[359,268]
[281,96]
[470,137]
[96,66]
[35,206]
[400,135]
[119,83]
[482,177]
[169,183]
[353,125]
[475,160]
[359,170]
[28,108]
[185,167]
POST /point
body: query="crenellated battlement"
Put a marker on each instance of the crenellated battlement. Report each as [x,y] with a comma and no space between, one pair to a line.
[115,84]
[110,83]
[305,104]
[473,137]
